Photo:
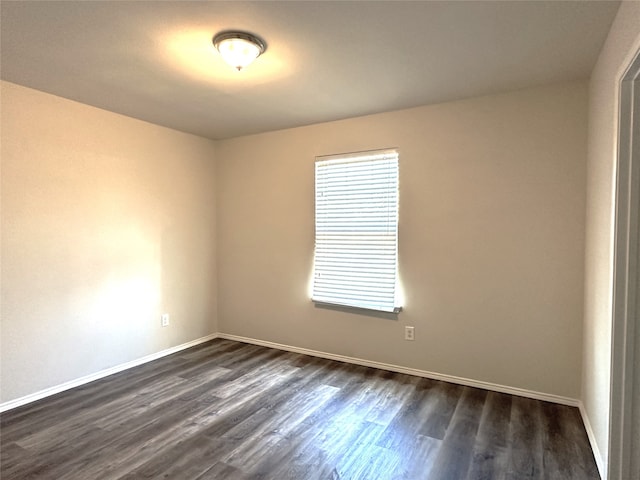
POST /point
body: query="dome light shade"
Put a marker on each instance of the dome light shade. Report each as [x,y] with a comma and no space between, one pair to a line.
[238,49]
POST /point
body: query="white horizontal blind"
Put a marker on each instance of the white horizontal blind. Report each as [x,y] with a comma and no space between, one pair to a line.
[355,261]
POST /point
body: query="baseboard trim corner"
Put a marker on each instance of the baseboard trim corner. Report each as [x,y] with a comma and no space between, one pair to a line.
[592,440]
[410,371]
[18,402]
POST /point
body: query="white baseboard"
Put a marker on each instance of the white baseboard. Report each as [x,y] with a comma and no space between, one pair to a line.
[592,441]
[101,374]
[315,353]
[411,371]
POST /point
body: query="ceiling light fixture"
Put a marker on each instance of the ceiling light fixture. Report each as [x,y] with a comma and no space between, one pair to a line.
[239,49]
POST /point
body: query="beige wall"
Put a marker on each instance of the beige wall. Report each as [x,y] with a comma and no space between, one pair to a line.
[107,221]
[623,41]
[491,238]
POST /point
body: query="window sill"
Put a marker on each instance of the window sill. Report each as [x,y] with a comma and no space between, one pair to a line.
[356,309]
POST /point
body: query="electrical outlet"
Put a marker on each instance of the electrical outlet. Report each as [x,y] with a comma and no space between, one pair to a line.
[164,320]
[409,333]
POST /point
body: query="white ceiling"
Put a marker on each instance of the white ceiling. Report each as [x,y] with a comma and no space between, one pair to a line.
[154,60]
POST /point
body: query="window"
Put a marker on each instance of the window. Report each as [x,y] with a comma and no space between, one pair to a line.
[355,261]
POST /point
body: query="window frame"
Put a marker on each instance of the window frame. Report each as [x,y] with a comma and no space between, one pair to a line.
[371,285]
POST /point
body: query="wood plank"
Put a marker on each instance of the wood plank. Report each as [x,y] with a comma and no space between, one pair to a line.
[490,452]
[454,457]
[525,441]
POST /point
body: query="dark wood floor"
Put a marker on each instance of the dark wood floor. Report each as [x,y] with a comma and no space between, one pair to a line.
[230,410]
